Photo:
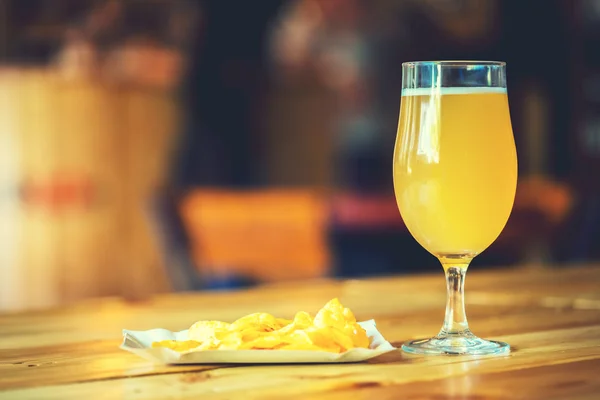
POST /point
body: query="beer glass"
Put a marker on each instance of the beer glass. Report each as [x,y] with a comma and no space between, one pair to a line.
[455,176]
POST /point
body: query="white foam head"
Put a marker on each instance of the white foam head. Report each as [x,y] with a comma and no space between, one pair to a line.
[437,91]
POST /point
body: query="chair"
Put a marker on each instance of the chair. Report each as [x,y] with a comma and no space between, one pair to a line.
[264,236]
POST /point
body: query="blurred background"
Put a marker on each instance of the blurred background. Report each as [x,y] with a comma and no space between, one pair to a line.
[149,146]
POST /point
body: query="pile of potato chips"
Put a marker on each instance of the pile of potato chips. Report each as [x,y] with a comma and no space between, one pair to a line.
[334,329]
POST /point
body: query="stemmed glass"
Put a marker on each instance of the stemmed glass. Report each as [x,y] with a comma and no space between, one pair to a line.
[455,176]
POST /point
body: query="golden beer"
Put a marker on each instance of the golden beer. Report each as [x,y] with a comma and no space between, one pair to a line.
[455,167]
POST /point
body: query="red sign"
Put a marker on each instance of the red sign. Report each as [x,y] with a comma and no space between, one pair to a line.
[59,193]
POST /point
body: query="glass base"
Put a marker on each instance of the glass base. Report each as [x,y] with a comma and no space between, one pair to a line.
[454,344]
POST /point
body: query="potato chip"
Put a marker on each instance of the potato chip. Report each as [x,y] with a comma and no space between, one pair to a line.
[210,344]
[333,314]
[264,342]
[302,346]
[302,320]
[177,345]
[248,335]
[336,336]
[334,329]
[259,321]
[283,322]
[205,330]
[232,341]
[319,337]
[358,335]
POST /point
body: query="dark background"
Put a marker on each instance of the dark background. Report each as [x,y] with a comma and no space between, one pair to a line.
[305,94]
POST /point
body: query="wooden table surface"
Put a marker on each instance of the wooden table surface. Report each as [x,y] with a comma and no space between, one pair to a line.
[551,317]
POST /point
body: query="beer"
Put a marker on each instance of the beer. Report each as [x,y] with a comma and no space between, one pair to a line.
[455,167]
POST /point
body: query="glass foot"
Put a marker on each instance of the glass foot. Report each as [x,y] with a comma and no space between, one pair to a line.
[464,344]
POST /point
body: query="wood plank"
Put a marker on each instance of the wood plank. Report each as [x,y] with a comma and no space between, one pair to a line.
[532,350]
[102,359]
[509,286]
[545,382]
[81,362]
[549,316]
[490,321]
[396,322]
[416,303]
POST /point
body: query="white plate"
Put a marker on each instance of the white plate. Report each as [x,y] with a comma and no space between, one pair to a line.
[140,343]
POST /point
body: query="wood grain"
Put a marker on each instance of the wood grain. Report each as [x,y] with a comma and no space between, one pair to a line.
[72,352]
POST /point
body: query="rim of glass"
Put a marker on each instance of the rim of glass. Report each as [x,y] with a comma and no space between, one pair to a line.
[454,63]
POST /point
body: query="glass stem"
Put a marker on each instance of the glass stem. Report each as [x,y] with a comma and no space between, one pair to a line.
[455,322]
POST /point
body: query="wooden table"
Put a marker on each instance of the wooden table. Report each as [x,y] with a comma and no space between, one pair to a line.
[551,317]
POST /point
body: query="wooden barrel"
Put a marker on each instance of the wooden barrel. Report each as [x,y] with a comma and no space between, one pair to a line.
[79,159]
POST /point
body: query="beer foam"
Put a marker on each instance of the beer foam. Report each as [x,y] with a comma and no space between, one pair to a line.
[451,90]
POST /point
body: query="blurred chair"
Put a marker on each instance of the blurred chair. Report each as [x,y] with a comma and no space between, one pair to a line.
[260,236]
[175,246]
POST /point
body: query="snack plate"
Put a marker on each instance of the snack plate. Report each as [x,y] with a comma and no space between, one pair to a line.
[140,343]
